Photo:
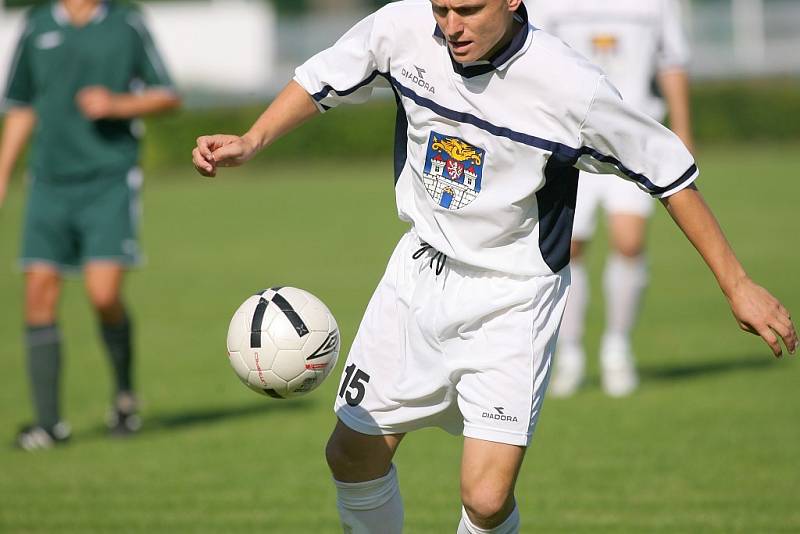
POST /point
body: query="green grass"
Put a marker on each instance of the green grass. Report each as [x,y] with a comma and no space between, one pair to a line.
[708,444]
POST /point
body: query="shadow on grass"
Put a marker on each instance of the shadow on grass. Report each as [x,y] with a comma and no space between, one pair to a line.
[176,421]
[702,369]
[173,421]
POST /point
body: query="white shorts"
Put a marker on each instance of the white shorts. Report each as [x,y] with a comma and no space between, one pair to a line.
[613,194]
[467,350]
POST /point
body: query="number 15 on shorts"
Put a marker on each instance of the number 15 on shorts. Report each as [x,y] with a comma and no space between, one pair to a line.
[354,385]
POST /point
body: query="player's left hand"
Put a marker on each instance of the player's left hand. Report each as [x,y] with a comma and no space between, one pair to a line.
[96,102]
[759,313]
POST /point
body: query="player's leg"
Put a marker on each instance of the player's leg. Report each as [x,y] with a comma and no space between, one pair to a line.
[570,362]
[625,280]
[394,382]
[488,475]
[43,343]
[104,288]
[502,376]
[103,281]
[42,292]
[368,493]
[47,247]
[367,490]
[108,228]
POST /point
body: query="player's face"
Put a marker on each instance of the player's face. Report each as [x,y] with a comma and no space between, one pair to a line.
[475,29]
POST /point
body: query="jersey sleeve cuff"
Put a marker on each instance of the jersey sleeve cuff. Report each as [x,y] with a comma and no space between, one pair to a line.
[687,179]
[7,104]
[676,65]
[304,84]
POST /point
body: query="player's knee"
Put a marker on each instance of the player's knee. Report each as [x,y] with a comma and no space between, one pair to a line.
[107,303]
[485,504]
[354,459]
[41,299]
[630,250]
[348,463]
[334,455]
[104,303]
[630,246]
[342,459]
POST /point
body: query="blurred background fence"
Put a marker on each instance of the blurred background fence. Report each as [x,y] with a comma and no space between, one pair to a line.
[236,54]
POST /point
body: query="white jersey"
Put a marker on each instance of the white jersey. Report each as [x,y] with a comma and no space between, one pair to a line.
[632,40]
[487,154]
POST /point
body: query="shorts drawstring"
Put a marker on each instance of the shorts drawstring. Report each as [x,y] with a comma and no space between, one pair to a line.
[439,257]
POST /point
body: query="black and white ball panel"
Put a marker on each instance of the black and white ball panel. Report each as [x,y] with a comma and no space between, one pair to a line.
[283,342]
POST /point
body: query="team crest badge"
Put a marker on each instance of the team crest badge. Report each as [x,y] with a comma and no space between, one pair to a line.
[453,171]
[605,45]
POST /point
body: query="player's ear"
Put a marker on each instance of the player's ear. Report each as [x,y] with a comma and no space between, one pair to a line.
[513,5]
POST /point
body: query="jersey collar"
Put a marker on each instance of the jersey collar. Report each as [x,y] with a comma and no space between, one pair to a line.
[502,58]
[61,16]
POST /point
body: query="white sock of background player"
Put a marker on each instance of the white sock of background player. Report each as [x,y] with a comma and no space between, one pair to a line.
[624,280]
[372,507]
[509,526]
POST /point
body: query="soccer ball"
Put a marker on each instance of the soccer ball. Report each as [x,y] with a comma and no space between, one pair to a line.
[283,342]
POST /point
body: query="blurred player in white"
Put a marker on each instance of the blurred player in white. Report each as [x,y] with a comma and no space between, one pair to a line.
[494,120]
[639,44]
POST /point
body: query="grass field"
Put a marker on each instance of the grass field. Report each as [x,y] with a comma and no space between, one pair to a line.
[709,443]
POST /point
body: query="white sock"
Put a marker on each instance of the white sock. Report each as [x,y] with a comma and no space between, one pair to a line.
[372,507]
[509,526]
[625,280]
[573,323]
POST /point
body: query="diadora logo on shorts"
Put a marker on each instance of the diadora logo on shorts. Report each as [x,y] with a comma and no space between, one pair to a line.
[417,77]
[500,415]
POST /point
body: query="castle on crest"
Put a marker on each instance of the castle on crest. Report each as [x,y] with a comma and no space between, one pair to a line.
[449,183]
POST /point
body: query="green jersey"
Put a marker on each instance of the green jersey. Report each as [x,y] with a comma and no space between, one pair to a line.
[54,60]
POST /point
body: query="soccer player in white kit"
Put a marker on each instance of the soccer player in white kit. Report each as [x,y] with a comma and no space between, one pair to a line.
[635,42]
[494,120]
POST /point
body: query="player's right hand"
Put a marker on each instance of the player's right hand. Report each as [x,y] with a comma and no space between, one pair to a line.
[96,102]
[214,151]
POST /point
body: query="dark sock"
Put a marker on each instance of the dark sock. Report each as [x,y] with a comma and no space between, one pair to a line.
[44,369]
[117,338]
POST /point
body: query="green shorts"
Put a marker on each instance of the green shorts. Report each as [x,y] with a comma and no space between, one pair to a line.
[71,223]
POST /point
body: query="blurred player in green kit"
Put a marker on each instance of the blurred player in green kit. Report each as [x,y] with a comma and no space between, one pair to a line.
[82,72]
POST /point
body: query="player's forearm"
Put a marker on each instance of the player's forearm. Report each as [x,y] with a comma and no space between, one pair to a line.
[17,129]
[292,107]
[693,216]
[152,101]
[674,84]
